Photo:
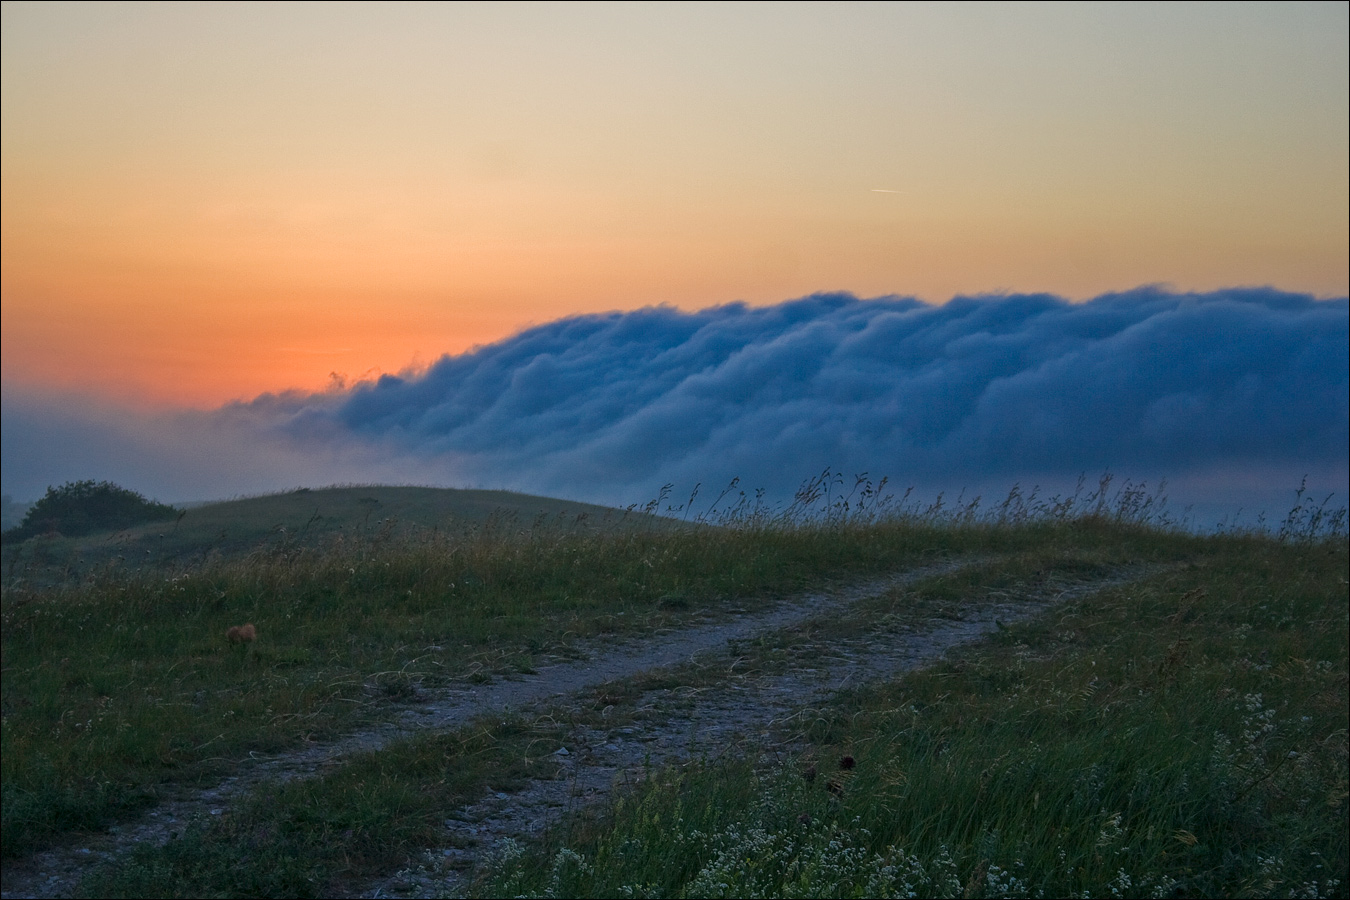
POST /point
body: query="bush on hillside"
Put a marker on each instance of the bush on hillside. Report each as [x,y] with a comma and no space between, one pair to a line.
[84,507]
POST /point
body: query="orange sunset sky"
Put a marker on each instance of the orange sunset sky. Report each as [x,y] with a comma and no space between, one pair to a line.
[204,202]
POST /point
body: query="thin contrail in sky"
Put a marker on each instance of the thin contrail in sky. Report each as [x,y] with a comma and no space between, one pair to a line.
[884,191]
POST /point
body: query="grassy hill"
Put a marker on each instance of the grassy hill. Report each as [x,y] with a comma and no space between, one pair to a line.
[1183,733]
[309,518]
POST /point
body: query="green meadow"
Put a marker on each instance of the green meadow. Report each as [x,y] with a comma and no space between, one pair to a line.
[299,518]
[1182,732]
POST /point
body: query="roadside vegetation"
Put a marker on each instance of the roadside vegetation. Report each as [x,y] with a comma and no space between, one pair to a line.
[1183,734]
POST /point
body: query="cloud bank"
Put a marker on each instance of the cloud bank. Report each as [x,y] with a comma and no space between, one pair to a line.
[1221,392]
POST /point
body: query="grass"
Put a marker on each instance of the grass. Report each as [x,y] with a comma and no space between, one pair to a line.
[303,838]
[304,518]
[1185,736]
[120,689]
[121,681]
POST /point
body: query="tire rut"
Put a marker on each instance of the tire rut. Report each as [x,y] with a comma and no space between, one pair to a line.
[740,712]
[762,715]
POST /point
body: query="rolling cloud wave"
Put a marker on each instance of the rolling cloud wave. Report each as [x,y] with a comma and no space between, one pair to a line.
[987,386]
[983,389]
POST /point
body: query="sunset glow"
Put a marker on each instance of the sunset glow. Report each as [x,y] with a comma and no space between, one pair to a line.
[204,203]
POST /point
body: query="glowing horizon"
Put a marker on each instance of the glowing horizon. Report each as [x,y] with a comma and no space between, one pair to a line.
[205,203]
[1232,397]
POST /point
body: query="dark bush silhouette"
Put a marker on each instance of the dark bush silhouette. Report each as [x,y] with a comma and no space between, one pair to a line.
[84,507]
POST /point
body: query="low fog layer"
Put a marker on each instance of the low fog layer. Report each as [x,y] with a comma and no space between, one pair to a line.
[1232,395]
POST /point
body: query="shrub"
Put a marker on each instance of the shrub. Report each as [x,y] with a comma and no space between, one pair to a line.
[84,507]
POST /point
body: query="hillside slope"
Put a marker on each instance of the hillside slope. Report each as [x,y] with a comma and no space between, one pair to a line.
[310,517]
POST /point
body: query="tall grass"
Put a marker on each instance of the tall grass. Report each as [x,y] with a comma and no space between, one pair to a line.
[121,685]
[1182,737]
[120,681]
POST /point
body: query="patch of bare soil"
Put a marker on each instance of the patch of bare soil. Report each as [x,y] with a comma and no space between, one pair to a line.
[733,713]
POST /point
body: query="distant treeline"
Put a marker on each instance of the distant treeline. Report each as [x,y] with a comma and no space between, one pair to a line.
[84,507]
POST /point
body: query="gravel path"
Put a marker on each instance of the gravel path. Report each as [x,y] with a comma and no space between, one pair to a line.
[673,724]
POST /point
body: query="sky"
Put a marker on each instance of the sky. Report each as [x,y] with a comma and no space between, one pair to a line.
[221,224]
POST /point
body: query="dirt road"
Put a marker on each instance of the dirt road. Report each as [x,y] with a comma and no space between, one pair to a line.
[731,713]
